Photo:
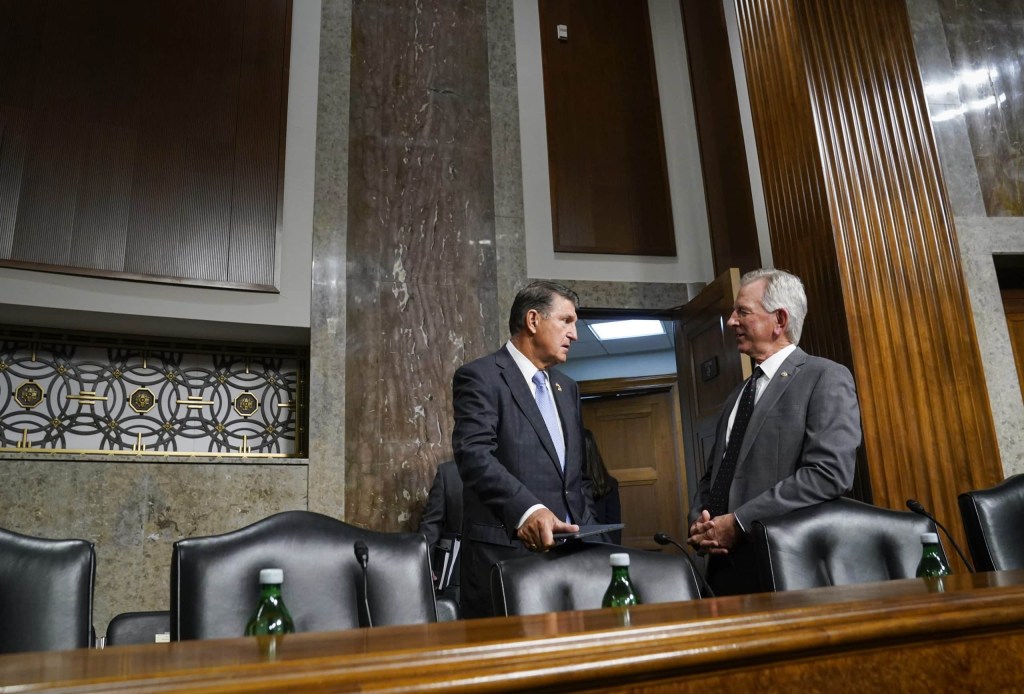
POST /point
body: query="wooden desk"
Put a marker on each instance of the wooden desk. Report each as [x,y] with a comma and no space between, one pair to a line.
[895,636]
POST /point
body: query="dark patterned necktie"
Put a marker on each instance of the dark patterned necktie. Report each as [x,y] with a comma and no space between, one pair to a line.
[719,501]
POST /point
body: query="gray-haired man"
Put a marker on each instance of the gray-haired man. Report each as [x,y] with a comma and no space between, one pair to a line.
[787,437]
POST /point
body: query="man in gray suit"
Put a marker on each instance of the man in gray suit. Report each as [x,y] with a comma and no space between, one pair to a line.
[787,437]
[518,442]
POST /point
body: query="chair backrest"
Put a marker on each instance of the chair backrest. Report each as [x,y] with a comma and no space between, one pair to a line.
[574,576]
[46,589]
[994,522]
[215,579]
[837,543]
[130,628]
[447,607]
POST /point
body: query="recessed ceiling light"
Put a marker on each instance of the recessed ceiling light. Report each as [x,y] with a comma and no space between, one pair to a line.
[621,329]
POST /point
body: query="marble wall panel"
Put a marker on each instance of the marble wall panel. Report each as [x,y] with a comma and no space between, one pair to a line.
[510,250]
[504,103]
[328,290]
[647,295]
[133,513]
[942,29]
[421,248]
[509,222]
[945,108]
[980,238]
[395,482]
[983,39]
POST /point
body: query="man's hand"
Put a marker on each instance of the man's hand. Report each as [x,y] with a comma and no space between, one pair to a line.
[537,532]
[698,529]
[714,535]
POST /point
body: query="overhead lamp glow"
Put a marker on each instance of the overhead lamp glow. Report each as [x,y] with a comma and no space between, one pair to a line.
[621,329]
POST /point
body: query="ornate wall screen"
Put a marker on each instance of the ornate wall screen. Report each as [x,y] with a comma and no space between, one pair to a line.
[144,141]
[103,395]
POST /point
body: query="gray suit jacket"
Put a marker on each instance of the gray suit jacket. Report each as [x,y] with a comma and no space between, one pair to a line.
[800,446]
[508,463]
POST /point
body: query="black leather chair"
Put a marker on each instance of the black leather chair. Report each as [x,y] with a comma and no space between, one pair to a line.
[574,576]
[447,607]
[215,579]
[837,543]
[46,589]
[994,521]
[130,628]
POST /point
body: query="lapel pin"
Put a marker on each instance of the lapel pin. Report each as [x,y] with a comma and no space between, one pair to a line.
[558,387]
[784,374]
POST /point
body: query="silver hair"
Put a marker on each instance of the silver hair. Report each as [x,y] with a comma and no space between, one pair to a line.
[782,290]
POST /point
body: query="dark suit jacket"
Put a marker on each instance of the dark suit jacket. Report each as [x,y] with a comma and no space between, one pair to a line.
[443,511]
[442,514]
[608,509]
[508,463]
[800,446]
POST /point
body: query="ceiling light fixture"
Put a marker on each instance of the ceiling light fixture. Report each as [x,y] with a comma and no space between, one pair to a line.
[621,329]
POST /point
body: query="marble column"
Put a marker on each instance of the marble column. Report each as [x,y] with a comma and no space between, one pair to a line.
[509,217]
[330,226]
[420,273]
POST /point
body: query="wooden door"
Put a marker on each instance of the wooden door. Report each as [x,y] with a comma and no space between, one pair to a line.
[708,366]
[636,425]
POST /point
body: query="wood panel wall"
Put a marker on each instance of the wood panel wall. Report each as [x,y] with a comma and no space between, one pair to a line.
[1013,307]
[857,207]
[723,156]
[144,141]
[606,151]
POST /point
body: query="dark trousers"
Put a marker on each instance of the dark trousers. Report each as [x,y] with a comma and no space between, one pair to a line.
[476,561]
[734,573]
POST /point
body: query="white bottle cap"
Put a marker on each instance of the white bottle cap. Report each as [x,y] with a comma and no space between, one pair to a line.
[275,576]
[929,538]
[619,559]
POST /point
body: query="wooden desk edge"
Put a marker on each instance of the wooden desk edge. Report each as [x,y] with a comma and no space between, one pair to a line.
[597,655]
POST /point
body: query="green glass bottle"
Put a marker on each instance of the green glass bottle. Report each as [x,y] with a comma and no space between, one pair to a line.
[932,565]
[620,591]
[271,616]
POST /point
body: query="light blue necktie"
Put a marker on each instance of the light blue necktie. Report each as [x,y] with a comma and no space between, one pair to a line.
[547,411]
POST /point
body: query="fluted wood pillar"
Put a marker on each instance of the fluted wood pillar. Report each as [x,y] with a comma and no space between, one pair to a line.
[857,207]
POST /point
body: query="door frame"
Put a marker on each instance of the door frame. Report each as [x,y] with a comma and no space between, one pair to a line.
[627,386]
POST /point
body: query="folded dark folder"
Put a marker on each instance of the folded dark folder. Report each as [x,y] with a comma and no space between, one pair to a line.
[588,530]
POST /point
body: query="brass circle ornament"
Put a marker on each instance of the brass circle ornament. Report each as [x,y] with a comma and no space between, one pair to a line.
[28,394]
[246,404]
[142,400]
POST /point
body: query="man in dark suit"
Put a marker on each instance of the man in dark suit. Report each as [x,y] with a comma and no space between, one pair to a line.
[518,442]
[441,524]
[787,437]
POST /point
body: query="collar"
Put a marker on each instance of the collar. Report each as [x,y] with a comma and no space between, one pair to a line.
[525,365]
[772,364]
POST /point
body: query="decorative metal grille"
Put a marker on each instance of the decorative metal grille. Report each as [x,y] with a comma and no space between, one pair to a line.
[103,395]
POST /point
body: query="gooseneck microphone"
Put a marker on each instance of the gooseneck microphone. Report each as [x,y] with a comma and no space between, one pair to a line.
[663,539]
[363,557]
[915,506]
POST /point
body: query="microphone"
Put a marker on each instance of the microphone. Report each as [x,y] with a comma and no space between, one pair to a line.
[915,506]
[363,557]
[663,539]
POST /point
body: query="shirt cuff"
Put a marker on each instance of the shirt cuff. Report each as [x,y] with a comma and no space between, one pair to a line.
[526,515]
[739,524]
